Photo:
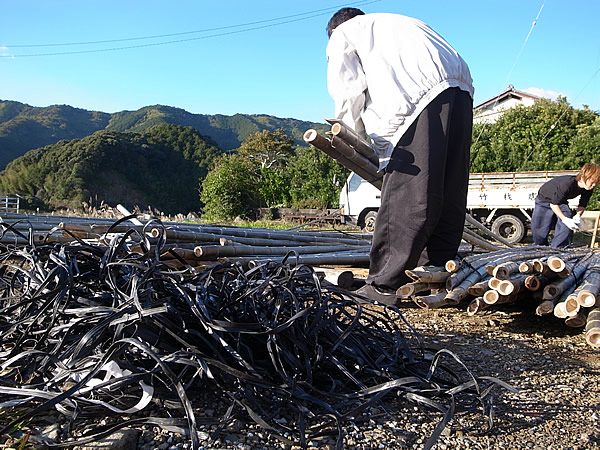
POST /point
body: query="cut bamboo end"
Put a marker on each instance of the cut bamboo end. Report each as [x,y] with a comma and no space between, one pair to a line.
[545,308]
[586,299]
[576,321]
[592,329]
[572,306]
[526,267]
[560,310]
[433,301]
[532,283]
[476,306]
[491,297]
[416,287]
[310,135]
[551,291]
[494,283]
[506,287]
[556,264]
[452,266]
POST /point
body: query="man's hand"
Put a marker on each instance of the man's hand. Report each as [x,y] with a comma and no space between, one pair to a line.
[570,223]
[577,220]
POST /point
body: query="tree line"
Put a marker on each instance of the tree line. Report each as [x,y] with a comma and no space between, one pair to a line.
[175,169]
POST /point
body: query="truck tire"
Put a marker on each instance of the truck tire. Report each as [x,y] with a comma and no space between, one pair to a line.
[509,227]
[370,222]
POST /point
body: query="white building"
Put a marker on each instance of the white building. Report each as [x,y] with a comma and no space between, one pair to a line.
[490,110]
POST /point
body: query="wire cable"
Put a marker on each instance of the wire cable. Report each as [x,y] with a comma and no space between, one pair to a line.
[279,21]
[533,24]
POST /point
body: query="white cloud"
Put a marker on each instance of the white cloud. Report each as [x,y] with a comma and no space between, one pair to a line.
[545,93]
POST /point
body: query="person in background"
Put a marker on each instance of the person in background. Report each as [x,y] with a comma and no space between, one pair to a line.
[397,80]
[552,211]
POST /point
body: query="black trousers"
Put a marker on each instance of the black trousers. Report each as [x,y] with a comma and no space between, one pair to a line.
[424,192]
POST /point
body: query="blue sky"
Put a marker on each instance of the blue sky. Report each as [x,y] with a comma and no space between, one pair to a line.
[268,56]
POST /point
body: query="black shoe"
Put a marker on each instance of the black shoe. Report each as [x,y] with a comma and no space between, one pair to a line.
[378,295]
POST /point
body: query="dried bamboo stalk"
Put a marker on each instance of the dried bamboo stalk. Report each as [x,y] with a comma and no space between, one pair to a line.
[416,287]
[572,306]
[590,290]
[478,289]
[577,321]
[592,328]
[512,286]
[472,221]
[492,297]
[348,135]
[535,282]
[476,306]
[433,301]
[363,169]
[428,274]
[505,270]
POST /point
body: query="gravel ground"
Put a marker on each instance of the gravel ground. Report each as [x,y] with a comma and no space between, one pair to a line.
[556,372]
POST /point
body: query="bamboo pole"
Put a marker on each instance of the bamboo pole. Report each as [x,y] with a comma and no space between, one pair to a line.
[348,135]
[428,274]
[495,298]
[363,168]
[433,301]
[409,289]
[505,270]
[479,288]
[219,251]
[476,306]
[590,290]
[577,321]
[512,286]
[592,328]
[474,222]
[535,282]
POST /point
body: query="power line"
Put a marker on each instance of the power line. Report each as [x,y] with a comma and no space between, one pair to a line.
[533,24]
[248,27]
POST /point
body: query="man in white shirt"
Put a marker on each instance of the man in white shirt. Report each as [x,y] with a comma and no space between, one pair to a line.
[395,79]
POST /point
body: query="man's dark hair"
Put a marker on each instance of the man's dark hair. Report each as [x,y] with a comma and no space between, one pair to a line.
[340,17]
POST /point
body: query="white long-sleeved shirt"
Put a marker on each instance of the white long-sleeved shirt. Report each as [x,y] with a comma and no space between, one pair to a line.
[384,69]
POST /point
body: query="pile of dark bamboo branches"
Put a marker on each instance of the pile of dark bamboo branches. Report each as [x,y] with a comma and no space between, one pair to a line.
[564,282]
[90,328]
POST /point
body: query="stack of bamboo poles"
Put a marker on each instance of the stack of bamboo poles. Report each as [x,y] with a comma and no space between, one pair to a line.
[564,283]
[345,146]
[195,244]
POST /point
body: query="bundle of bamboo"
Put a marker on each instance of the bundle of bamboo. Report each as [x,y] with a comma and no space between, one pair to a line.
[565,283]
[345,146]
[193,244]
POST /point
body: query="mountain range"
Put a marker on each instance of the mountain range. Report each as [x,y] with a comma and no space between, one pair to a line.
[24,127]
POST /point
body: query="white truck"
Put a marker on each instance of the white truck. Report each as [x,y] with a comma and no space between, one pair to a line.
[502,201]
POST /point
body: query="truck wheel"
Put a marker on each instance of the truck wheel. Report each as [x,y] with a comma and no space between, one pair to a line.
[370,222]
[509,227]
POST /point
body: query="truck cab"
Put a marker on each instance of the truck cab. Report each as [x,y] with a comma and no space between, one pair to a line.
[503,201]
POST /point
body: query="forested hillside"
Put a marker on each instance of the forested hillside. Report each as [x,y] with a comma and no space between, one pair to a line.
[24,127]
[160,168]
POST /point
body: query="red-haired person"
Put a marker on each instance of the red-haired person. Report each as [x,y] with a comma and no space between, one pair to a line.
[552,212]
